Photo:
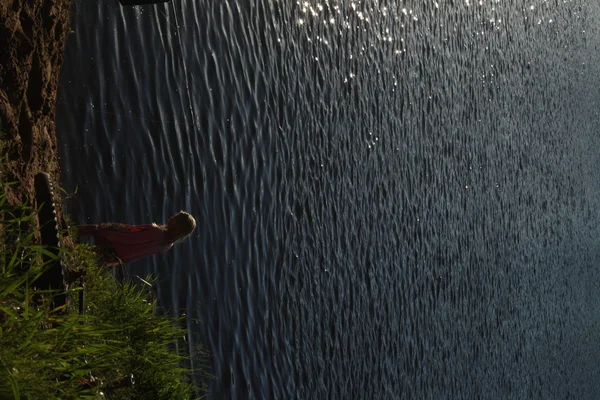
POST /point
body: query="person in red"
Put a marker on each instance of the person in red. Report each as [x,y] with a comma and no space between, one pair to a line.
[122,243]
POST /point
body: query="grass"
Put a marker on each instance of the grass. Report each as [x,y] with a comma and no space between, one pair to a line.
[60,354]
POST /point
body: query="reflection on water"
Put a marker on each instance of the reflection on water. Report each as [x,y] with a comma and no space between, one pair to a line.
[393,201]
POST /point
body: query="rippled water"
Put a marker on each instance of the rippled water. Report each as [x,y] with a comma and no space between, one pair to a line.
[393,201]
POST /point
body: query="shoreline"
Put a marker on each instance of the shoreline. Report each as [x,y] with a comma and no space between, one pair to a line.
[106,344]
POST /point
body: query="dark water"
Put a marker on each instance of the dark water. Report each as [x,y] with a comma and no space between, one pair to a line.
[394,201]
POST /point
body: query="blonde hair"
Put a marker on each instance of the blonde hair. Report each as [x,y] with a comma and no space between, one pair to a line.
[185,221]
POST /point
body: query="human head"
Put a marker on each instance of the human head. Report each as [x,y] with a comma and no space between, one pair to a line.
[180,226]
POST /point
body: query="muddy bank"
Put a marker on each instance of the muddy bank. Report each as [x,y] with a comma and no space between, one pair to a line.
[32,39]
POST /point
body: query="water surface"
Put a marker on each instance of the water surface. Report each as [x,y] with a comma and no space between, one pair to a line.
[392,201]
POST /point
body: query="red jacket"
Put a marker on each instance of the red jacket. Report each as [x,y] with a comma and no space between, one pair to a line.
[132,242]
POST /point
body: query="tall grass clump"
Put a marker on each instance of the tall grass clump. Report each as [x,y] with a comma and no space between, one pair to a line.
[56,353]
[38,352]
[146,340]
